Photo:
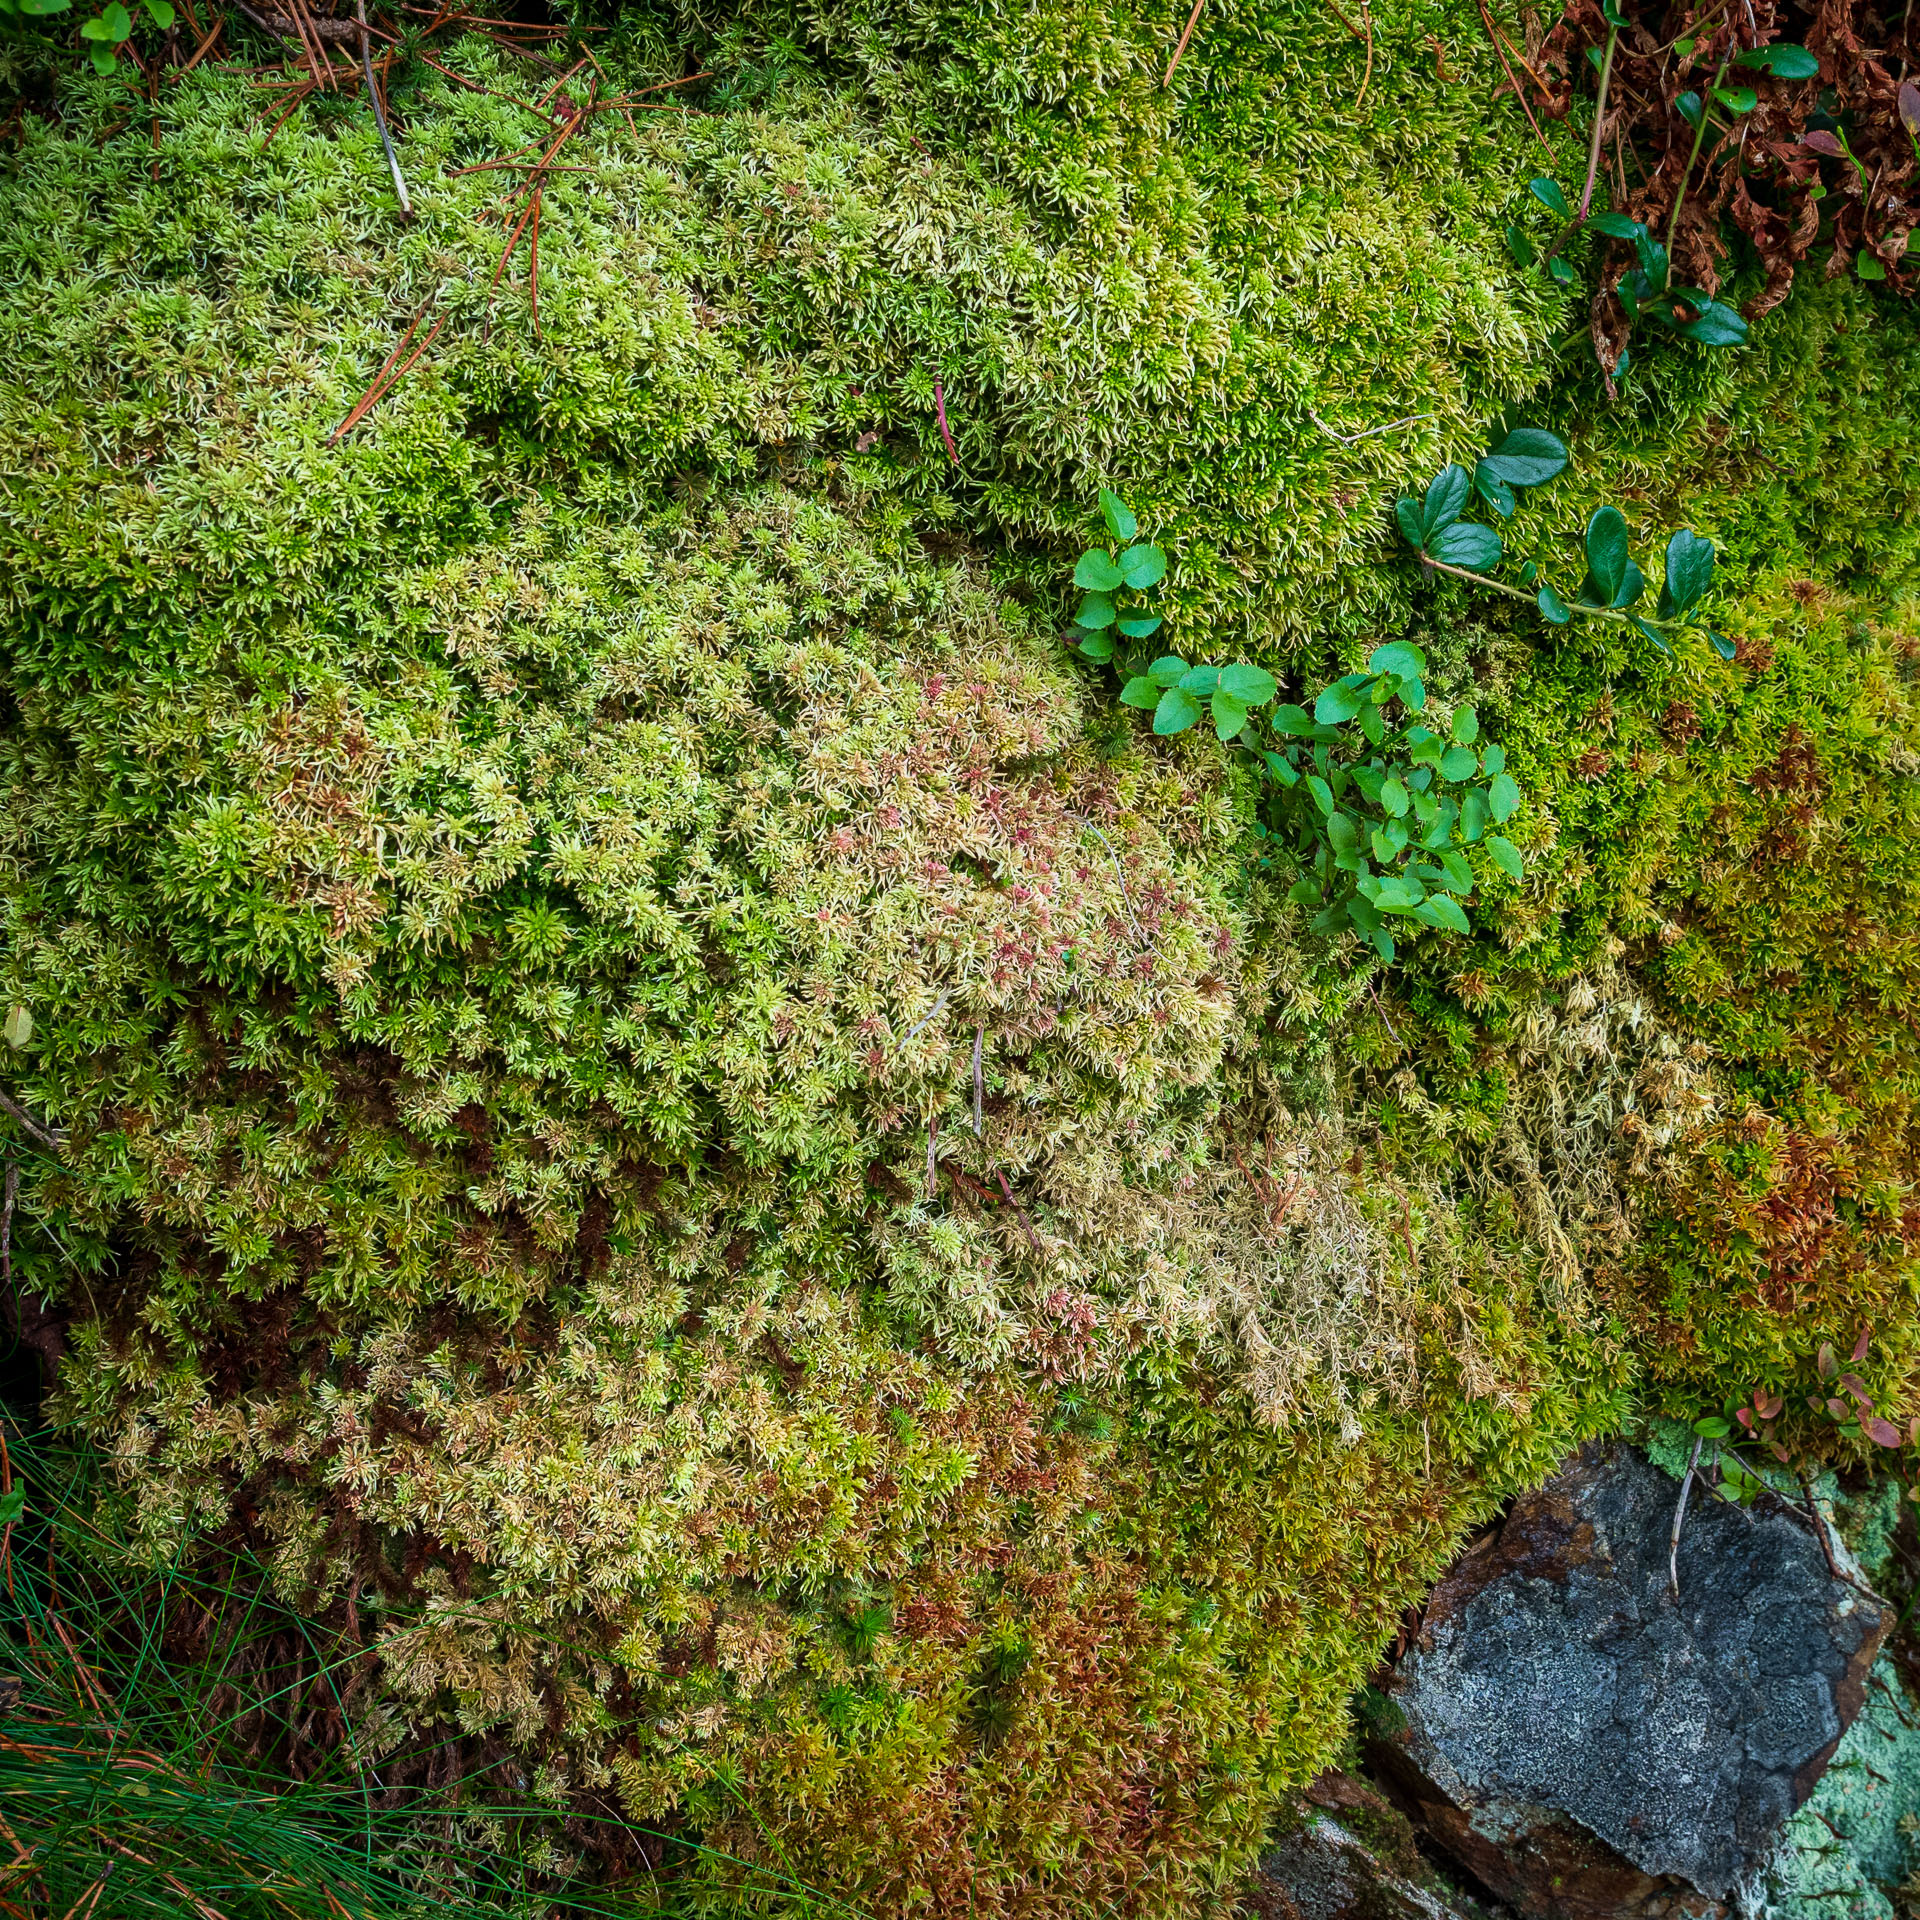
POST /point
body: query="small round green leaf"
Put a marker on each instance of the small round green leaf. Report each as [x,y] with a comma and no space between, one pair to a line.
[1322,793]
[1725,648]
[1442,910]
[1400,657]
[1295,720]
[1096,610]
[1229,714]
[1138,627]
[1200,681]
[1459,763]
[1466,726]
[1337,703]
[1552,607]
[1167,671]
[1506,856]
[1142,567]
[1254,685]
[1177,711]
[1096,573]
[1394,797]
[1503,795]
[1140,692]
[1783,60]
[1098,646]
[1494,760]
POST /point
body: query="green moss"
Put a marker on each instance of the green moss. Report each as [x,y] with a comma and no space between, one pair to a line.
[511,900]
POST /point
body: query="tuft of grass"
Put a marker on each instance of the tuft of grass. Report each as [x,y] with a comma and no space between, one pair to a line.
[233,1772]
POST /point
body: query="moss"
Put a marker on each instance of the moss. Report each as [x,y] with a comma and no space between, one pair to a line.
[511,902]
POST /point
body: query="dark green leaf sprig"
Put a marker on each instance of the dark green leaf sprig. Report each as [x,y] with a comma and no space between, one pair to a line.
[1614,586]
[1371,810]
[105,34]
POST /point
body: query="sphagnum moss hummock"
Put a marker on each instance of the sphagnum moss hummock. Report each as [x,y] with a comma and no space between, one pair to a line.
[511,901]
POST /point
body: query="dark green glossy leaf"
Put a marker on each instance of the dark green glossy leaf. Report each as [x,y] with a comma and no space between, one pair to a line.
[1616,226]
[1548,193]
[1466,544]
[1737,99]
[1689,569]
[1552,606]
[1783,60]
[1607,550]
[1406,510]
[1493,490]
[1717,326]
[1446,499]
[1724,647]
[1692,109]
[1521,247]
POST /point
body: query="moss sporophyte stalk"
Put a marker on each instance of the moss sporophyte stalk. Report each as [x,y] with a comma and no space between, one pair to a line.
[811,1220]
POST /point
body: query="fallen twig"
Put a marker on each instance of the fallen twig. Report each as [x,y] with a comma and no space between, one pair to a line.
[1680,1518]
[1193,20]
[1040,1252]
[1354,439]
[1500,51]
[1125,901]
[379,113]
[388,377]
[52,1138]
[979,1041]
[920,1027]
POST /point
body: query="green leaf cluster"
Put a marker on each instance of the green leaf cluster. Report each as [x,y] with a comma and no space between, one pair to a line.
[1614,584]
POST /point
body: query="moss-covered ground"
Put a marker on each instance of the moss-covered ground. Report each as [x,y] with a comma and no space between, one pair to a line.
[678,1118]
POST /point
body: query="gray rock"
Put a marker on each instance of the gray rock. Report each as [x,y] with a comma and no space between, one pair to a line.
[1585,1743]
[1346,1854]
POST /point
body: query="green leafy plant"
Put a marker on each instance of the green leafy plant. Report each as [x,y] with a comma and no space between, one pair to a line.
[1614,585]
[105,34]
[1836,1400]
[1372,810]
[1116,581]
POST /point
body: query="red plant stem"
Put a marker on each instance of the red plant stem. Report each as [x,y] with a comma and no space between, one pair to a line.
[940,414]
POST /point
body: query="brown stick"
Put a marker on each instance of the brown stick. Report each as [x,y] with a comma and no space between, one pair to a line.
[940,414]
[1040,1252]
[52,1138]
[1501,53]
[1193,20]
